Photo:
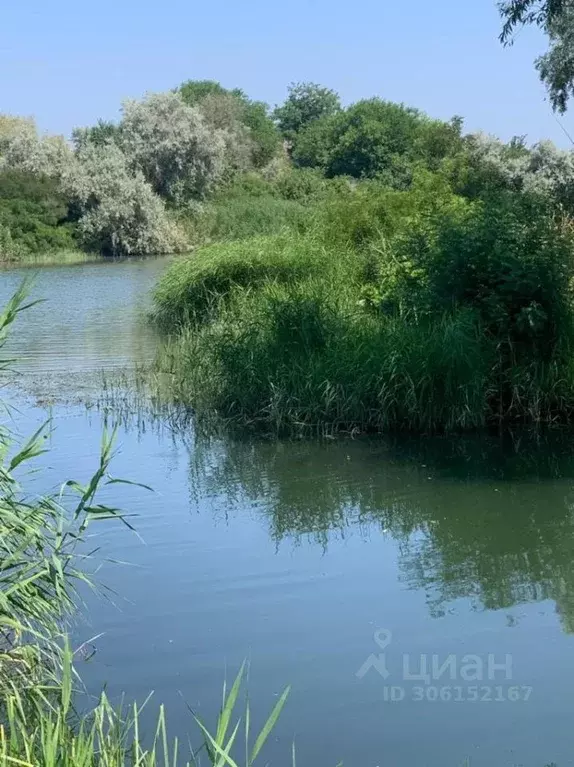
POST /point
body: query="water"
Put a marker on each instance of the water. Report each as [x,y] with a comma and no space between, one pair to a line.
[312,559]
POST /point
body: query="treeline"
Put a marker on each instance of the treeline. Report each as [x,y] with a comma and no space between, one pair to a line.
[203,163]
[129,187]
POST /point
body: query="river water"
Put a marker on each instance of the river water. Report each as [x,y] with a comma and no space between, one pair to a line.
[417,595]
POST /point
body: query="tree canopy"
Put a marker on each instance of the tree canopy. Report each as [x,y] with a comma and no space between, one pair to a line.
[211,98]
[305,103]
[376,138]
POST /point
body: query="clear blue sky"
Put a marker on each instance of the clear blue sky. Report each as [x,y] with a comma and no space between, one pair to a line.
[69,63]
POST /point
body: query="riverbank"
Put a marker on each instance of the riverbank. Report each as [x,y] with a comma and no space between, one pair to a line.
[416,310]
[54,258]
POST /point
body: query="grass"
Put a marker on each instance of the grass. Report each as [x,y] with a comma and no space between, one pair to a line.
[295,358]
[239,218]
[49,732]
[49,259]
[194,288]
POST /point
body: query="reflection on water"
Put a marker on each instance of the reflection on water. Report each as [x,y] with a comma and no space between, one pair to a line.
[294,554]
[467,521]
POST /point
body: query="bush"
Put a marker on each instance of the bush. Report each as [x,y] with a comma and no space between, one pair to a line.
[33,215]
[239,218]
[304,185]
[508,258]
[413,310]
[361,213]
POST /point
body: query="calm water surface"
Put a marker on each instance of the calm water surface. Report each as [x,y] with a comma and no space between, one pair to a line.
[329,565]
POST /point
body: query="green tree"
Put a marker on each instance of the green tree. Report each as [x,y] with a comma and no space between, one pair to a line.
[376,138]
[556,19]
[100,134]
[194,91]
[305,103]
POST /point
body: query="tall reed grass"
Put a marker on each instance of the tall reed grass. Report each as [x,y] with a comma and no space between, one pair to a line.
[49,733]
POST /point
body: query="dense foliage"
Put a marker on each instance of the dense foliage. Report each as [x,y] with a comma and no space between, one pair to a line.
[253,116]
[426,283]
[305,103]
[33,215]
[380,270]
[376,139]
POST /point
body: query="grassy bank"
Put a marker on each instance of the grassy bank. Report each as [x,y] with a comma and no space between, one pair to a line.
[48,259]
[419,310]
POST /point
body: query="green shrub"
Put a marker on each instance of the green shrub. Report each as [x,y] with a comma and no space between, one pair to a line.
[246,185]
[508,258]
[33,216]
[304,185]
[359,213]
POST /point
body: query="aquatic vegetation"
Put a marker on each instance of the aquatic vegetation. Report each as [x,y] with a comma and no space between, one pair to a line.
[448,315]
[195,287]
[50,733]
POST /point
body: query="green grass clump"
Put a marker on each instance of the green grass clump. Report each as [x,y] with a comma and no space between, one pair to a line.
[238,218]
[298,358]
[48,731]
[193,288]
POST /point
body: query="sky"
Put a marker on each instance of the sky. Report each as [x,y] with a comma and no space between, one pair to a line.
[70,63]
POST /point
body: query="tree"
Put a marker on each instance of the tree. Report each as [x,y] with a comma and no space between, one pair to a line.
[489,166]
[21,148]
[253,115]
[305,103]
[516,13]
[194,91]
[376,138]
[264,134]
[224,113]
[100,134]
[556,19]
[172,145]
[34,213]
[119,214]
